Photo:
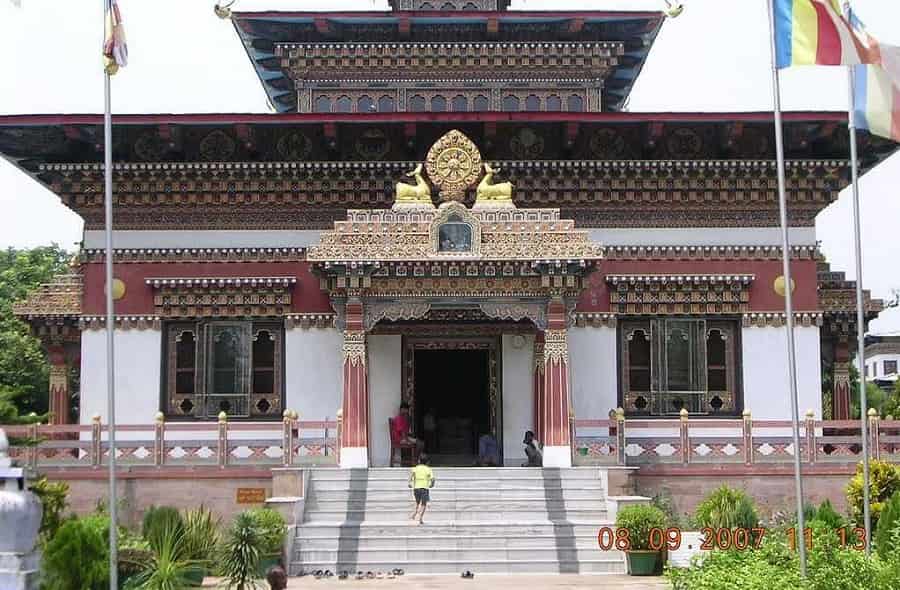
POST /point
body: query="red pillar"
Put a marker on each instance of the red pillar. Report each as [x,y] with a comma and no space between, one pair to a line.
[555,412]
[539,386]
[840,400]
[355,433]
[59,385]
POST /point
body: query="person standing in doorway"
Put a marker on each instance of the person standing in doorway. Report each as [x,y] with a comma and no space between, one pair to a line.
[402,429]
[421,480]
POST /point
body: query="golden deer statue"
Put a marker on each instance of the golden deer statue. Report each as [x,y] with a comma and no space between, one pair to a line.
[490,194]
[418,195]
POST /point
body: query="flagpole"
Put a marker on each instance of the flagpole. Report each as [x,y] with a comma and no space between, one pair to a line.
[860,302]
[788,292]
[110,317]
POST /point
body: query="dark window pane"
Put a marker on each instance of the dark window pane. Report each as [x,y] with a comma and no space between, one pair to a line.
[184,382]
[717,379]
[438,104]
[639,361]
[715,349]
[264,381]
[532,103]
[386,104]
[575,103]
[482,103]
[460,103]
[554,103]
[343,105]
[323,105]
[679,348]
[185,351]
[263,350]
[511,104]
[417,104]
[890,367]
[230,351]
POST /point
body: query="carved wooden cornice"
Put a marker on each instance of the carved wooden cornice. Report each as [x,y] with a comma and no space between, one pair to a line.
[306,321]
[123,322]
[708,252]
[430,60]
[595,320]
[60,298]
[777,320]
[679,294]
[143,255]
[303,195]
[222,296]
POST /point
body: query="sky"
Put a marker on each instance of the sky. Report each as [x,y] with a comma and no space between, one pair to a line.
[714,57]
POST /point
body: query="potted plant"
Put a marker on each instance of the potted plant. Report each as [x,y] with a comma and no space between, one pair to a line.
[271,527]
[639,520]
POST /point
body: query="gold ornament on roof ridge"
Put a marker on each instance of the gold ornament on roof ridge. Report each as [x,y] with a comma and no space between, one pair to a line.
[453,164]
[493,194]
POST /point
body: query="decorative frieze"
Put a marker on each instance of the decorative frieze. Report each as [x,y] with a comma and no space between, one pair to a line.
[679,294]
[190,297]
[306,321]
[123,322]
[142,255]
[220,282]
[595,320]
[724,252]
[777,320]
[556,348]
[59,298]
[354,348]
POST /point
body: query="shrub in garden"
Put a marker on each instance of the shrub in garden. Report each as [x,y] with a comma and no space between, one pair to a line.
[638,520]
[827,515]
[884,482]
[201,534]
[159,519]
[168,567]
[888,529]
[241,552]
[77,557]
[726,508]
[271,527]
[54,500]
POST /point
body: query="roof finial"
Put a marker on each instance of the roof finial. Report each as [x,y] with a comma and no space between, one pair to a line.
[673,10]
[224,12]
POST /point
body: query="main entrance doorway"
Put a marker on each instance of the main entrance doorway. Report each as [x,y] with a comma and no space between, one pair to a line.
[452,389]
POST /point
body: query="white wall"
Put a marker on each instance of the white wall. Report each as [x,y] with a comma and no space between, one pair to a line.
[138,367]
[205,238]
[313,372]
[594,373]
[702,236]
[877,361]
[518,394]
[385,382]
[765,372]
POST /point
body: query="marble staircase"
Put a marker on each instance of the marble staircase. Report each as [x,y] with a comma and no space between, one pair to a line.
[488,520]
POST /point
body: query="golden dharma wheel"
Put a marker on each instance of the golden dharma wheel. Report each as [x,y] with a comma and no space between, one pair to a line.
[453,164]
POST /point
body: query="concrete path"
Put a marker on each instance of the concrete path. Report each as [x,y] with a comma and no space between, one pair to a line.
[484,582]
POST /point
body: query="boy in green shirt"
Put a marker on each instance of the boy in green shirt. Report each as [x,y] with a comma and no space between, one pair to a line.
[421,479]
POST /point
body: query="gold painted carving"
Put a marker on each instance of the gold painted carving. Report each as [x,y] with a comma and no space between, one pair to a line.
[453,164]
[354,348]
[413,196]
[491,194]
[556,347]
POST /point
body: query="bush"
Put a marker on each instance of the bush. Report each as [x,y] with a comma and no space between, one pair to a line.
[638,520]
[884,482]
[77,557]
[826,514]
[887,524]
[201,535]
[241,552]
[726,508]
[158,520]
[168,567]
[271,527]
[54,499]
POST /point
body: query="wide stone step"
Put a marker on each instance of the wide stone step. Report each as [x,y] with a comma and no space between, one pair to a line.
[442,493]
[457,484]
[305,542]
[520,528]
[348,555]
[443,503]
[473,473]
[612,565]
[451,516]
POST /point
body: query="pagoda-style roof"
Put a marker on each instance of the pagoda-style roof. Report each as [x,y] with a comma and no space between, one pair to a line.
[601,169]
[263,33]
[837,301]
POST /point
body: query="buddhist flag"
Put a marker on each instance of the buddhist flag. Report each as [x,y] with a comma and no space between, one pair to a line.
[877,87]
[115,50]
[814,32]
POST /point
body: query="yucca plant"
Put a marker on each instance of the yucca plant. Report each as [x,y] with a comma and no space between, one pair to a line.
[201,534]
[241,552]
[169,568]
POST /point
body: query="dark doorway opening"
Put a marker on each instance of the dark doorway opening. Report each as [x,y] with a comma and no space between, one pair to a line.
[452,403]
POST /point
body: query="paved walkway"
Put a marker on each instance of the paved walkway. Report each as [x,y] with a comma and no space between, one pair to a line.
[485,582]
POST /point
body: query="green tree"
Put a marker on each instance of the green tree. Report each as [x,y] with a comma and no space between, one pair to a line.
[24,370]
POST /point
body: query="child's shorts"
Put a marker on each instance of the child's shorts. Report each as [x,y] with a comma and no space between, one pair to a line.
[421,495]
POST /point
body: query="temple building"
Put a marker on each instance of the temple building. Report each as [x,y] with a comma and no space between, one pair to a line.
[450,208]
